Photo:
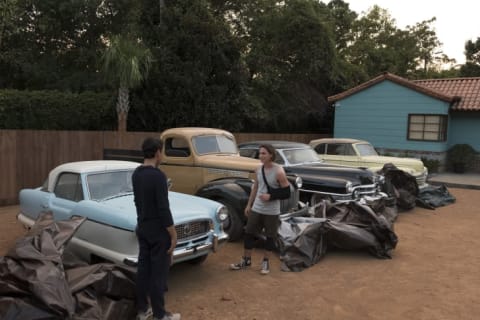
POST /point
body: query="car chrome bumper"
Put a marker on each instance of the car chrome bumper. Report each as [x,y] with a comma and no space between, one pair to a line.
[300,212]
[368,191]
[180,254]
[24,220]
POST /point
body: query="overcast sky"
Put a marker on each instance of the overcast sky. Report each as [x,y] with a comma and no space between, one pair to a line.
[457,20]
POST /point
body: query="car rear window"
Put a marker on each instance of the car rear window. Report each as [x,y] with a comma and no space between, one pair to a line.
[214,144]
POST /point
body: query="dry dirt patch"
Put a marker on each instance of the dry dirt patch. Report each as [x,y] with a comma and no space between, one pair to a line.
[434,274]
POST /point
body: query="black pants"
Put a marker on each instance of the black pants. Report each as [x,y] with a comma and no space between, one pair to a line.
[152,270]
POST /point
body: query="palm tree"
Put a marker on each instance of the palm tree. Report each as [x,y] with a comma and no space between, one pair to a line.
[126,62]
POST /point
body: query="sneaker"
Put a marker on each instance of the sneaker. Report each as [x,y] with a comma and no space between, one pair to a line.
[265,267]
[147,315]
[170,316]
[243,264]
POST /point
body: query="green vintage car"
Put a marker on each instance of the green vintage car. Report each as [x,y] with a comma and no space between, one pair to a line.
[360,153]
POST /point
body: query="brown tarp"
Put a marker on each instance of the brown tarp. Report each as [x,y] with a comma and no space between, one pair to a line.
[38,282]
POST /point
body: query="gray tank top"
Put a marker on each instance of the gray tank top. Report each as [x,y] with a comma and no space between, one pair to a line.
[271,207]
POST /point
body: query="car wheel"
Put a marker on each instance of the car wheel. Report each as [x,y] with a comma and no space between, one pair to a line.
[198,260]
[233,225]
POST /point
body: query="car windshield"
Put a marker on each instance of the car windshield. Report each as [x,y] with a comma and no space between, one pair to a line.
[215,144]
[300,156]
[109,184]
[366,149]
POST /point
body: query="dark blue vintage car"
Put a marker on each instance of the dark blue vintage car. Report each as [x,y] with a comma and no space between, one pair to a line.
[320,180]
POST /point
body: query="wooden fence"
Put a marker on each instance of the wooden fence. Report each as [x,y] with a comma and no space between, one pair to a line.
[26,156]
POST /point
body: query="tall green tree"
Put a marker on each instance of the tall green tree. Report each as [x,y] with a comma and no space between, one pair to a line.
[55,44]
[291,61]
[342,19]
[427,44]
[126,63]
[8,11]
[471,68]
[289,51]
[198,78]
[373,43]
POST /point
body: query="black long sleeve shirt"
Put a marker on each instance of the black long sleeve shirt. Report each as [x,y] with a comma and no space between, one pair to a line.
[150,191]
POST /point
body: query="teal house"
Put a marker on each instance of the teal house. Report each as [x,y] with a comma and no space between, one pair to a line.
[421,118]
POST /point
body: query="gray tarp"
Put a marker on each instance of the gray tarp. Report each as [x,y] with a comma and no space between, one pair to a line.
[36,282]
[303,241]
[404,188]
[432,197]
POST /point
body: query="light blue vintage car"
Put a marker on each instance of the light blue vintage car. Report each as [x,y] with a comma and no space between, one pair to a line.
[102,192]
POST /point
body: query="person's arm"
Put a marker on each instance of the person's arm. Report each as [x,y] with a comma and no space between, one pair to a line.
[282,178]
[164,205]
[173,238]
[282,181]
[173,241]
[251,198]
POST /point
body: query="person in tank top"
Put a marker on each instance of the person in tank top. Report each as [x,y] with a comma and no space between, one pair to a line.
[262,211]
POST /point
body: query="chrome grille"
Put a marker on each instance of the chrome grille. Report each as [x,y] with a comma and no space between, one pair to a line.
[193,229]
[364,190]
[421,179]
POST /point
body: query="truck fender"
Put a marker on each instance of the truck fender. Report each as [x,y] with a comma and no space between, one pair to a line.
[234,191]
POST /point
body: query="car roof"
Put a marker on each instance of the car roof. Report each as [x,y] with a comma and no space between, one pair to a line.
[189,132]
[95,166]
[337,140]
[89,166]
[277,144]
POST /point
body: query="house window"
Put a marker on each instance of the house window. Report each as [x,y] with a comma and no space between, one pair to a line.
[427,127]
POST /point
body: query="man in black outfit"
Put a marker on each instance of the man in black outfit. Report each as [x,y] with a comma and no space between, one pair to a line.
[156,233]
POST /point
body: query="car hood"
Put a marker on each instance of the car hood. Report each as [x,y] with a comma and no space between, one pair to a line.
[415,165]
[183,207]
[319,171]
[228,161]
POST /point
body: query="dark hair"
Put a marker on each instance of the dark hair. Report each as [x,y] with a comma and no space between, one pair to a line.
[270,149]
[150,146]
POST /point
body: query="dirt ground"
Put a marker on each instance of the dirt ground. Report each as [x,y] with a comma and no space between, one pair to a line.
[434,274]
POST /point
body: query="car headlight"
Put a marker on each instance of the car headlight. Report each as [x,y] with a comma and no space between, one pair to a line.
[349,187]
[355,194]
[222,213]
[380,179]
[298,182]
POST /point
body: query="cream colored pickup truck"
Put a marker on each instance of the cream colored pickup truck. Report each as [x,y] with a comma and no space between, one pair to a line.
[206,162]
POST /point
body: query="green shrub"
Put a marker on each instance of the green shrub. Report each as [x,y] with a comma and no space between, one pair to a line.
[460,157]
[56,110]
[431,164]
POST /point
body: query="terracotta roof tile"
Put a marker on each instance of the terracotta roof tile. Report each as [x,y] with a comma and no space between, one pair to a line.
[462,93]
[468,89]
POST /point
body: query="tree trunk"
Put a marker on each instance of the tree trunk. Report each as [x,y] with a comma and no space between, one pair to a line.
[122,121]
[122,108]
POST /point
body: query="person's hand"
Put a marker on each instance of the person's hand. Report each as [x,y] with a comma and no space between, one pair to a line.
[172,247]
[170,252]
[264,197]
[247,211]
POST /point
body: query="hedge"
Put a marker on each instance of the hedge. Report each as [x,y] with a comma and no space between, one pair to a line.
[56,110]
